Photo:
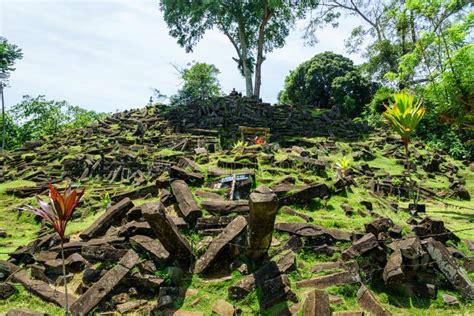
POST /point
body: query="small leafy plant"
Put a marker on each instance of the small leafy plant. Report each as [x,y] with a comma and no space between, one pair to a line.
[58,212]
[403,116]
[239,144]
[342,165]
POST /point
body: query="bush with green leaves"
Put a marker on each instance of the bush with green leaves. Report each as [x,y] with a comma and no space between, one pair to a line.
[199,81]
[326,80]
[35,117]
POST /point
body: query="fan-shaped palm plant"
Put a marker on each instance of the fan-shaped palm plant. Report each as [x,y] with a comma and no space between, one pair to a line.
[403,115]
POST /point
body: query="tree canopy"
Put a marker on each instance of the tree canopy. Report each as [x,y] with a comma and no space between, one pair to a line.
[9,54]
[35,117]
[199,81]
[325,80]
[254,28]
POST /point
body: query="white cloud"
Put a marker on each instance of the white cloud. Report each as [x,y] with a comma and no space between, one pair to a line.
[107,55]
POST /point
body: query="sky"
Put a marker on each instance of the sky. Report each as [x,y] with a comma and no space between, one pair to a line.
[109,55]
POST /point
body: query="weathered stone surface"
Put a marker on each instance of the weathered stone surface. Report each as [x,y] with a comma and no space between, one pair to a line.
[290,211]
[275,291]
[263,210]
[186,204]
[268,271]
[316,304]
[130,306]
[378,226]
[6,290]
[112,215]
[228,234]
[361,246]
[226,207]
[211,222]
[393,272]
[294,243]
[207,195]
[450,300]
[305,195]
[39,288]
[152,248]
[102,253]
[410,247]
[325,266]
[24,312]
[369,303]
[429,227]
[311,230]
[193,178]
[168,233]
[322,282]
[84,304]
[450,268]
[223,308]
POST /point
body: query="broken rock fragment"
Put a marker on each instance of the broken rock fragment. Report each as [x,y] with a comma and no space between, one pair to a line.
[450,268]
[361,246]
[317,304]
[219,243]
[368,302]
[167,232]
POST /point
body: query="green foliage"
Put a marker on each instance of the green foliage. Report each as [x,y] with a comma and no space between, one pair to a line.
[34,118]
[254,28]
[9,53]
[199,82]
[325,80]
[382,97]
[403,115]
[239,144]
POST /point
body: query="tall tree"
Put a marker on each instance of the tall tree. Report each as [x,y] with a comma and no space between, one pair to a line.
[254,28]
[9,53]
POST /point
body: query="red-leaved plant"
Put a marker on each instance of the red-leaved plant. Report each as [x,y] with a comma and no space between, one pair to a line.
[57,212]
[259,140]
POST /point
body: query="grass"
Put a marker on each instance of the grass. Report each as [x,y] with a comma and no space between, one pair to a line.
[457,215]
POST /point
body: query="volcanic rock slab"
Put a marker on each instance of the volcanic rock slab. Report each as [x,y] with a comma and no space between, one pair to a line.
[167,232]
[113,214]
[84,304]
[228,234]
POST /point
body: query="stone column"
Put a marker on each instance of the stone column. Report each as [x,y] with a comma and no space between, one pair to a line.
[263,209]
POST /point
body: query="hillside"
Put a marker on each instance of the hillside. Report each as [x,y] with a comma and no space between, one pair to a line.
[176,220]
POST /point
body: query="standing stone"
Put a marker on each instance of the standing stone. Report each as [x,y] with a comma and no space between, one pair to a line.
[186,203]
[228,234]
[263,210]
[100,289]
[167,232]
[317,304]
[450,268]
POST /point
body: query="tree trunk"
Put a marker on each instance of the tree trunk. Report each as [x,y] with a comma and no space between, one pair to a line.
[244,53]
[260,58]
